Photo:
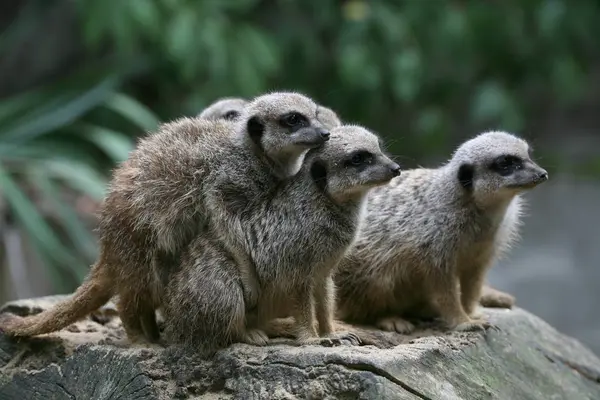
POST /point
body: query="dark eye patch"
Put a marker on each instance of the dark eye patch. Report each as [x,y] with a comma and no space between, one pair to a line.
[506,165]
[231,115]
[294,120]
[359,158]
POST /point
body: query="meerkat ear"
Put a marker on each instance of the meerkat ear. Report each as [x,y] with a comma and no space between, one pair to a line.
[318,173]
[466,173]
[255,128]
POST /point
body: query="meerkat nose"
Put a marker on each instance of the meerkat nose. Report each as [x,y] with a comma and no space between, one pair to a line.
[324,134]
[396,170]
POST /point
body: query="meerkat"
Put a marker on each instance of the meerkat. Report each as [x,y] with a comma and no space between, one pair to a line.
[430,236]
[156,203]
[328,117]
[490,297]
[228,108]
[294,237]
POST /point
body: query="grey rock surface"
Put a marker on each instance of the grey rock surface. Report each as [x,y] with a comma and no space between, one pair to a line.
[525,358]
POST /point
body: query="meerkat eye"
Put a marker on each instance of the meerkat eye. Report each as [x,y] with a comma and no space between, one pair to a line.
[360,158]
[357,159]
[231,115]
[293,120]
[506,165]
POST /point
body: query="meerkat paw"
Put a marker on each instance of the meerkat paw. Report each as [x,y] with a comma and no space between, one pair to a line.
[473,325]
[256,337]
[476,315]
[333,340]
[397,324]
[496,299]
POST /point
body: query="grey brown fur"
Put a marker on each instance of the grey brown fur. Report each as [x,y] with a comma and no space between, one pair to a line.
[328,117]
[156,203]
[430,236]
[292,237]
[228,108]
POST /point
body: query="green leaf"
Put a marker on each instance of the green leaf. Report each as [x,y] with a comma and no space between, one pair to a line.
[146,14]
[35,225]
[115,144]
[181,34]
[133,111]
[58,114]
[549,16]
[79,176]
[74,227]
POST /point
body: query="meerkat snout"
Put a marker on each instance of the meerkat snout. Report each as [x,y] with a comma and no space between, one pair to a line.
[384,170]
[310,137]
[395,169]
[324,134]
[523,173]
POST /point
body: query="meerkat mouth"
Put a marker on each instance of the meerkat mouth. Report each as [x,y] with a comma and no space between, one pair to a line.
[528,185]
[311,143]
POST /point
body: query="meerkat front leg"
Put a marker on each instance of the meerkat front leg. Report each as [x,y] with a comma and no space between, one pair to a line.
[324,294]
[329,328]
[304,315]
[306,330]
[471,283]
[444,292]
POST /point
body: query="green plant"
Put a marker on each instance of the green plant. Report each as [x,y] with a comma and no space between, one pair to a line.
[52,144]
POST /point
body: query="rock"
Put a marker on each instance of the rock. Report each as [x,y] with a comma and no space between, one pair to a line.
[524,358]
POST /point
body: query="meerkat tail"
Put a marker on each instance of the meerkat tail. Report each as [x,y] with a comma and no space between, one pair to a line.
[90,296]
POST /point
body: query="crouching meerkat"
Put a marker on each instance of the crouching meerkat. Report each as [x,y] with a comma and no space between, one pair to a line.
[228,108]
[156,204]
[430,236]
[293,237]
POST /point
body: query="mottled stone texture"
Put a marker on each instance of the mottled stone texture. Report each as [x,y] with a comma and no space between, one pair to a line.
[524,359]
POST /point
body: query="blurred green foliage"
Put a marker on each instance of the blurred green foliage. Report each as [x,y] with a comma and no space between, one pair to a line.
[415,71]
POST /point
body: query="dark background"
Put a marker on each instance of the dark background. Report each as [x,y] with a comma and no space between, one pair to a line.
[80,80]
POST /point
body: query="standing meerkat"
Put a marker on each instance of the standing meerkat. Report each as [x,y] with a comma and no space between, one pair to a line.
[156,204]
[430,236]
[294,237]
[228,108]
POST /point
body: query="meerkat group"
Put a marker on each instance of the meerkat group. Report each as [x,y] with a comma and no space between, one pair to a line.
[273,209]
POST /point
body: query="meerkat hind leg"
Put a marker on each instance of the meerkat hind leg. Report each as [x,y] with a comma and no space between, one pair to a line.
[495,298]
[130,315]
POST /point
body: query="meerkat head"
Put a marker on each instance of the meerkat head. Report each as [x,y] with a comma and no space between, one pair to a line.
[496,166]
[228,108]
[328,117]
[351,164]
[283,126]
